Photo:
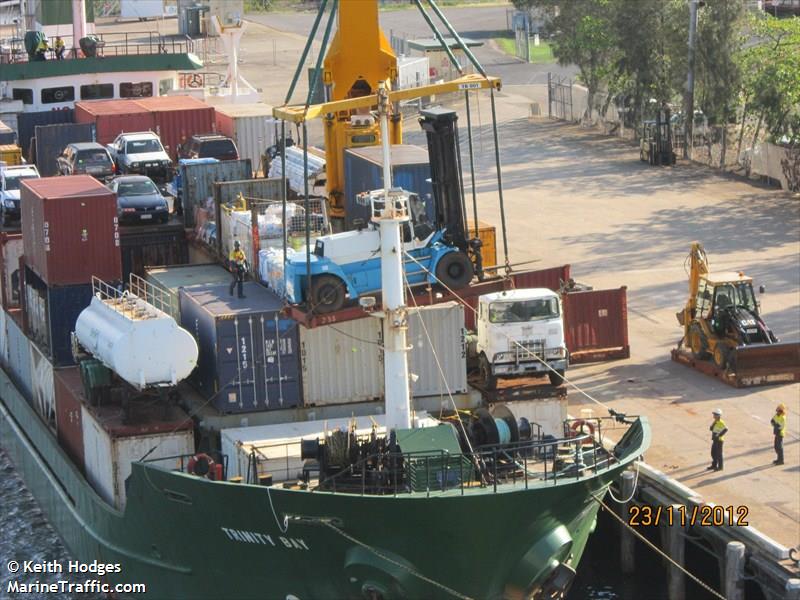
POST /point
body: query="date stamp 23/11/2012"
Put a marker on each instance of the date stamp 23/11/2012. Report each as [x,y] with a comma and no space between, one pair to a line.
[702,516]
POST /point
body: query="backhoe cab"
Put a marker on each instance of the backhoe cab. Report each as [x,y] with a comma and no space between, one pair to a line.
[721,321]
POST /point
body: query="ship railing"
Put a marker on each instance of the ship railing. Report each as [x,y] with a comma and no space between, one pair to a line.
[124,302]
[151,293]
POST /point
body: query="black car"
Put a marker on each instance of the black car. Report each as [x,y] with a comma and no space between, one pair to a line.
[138,200]
[88,158]
[209,145]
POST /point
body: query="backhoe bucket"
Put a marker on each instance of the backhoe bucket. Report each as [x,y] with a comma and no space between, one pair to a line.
[763,364]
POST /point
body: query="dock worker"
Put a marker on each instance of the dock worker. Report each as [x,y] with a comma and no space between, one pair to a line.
[239,265]
[60,46]
[41,49]
[718,430]
[779,430]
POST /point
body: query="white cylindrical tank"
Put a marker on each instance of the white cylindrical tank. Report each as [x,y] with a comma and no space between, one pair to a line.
[140,343]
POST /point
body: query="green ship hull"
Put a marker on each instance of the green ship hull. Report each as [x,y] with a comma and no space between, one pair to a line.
[187,537]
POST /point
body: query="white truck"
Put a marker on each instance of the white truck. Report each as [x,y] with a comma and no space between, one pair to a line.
[520,332]
[10,178]
[141,153]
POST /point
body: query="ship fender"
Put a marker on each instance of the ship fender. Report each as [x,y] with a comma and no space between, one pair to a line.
[542,567]
[375,578]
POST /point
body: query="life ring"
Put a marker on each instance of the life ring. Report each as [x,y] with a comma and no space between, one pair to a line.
[577,429]
[194,81]
[201,465]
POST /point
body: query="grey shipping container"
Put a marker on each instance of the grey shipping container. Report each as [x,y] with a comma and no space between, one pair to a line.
[50,315]
[52,139]
[343,364]
[7,135]
[152,245]
[363,172]
[197,182]
[19,353]
[226,192]
[173,278]
[27,122]
[249,355]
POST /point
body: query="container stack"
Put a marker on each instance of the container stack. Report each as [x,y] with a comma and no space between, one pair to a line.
[251,126]
[70,233]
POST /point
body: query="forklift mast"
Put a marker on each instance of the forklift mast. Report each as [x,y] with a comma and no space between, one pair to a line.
[439,125]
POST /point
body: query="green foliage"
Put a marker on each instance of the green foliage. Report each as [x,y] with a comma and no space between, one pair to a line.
[541,54]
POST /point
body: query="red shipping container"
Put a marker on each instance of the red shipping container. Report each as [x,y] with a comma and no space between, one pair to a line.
[70,230]
[68,388]
[596,325]
[112,117]
[177,118]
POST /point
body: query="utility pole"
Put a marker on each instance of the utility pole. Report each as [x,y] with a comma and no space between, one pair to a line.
[688,117]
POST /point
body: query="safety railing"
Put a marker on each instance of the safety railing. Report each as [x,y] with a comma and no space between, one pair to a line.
[152,294]
[124,302]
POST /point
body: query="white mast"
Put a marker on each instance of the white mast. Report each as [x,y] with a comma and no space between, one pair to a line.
[78,22]
[395,315]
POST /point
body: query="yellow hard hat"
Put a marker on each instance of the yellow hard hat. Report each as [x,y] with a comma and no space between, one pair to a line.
[781,407]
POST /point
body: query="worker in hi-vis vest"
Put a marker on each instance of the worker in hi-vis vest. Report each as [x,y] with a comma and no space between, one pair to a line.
[239,267]
[718,430]
[779,431]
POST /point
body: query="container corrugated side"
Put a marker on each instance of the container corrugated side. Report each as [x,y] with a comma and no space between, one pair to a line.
[152,245]
[27,122]
[251,126]
[597,321]
[177,118]
[437,340]
[198,182]
[3,339]
[43,395]
[172,278]
[108,456]
[70,229]
[68,390]
[249,356]
[19,353]
[52,139]
[11,249]
[112,117]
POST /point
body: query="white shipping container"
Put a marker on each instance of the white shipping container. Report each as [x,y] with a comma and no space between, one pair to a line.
[251,126]
[108,458]
[44,400]
[12,250]
[342,363]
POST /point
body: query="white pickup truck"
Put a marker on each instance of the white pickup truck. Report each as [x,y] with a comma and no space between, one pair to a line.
[520,332]
[10,177]
[141,153]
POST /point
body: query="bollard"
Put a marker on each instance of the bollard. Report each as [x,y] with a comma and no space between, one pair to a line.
[733,583]
[676,549]
[626,541]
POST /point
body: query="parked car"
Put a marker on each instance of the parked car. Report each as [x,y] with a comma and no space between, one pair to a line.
[10,178]
[88,158]
[141,153]
[139,200]
[209,145]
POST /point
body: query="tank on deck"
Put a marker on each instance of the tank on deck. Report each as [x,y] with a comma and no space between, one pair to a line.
[134,338]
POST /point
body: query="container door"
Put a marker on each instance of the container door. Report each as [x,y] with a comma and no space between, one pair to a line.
[279,365]
[237,372]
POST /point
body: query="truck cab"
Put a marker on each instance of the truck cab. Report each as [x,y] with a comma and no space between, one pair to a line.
[10,179]
[521,332]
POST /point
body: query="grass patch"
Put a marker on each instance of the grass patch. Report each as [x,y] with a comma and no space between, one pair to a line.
[540,54]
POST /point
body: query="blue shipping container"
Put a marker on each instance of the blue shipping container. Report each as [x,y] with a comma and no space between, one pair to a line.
[249,353]
[363,172]
[51,313]
[19,354]
[27,122]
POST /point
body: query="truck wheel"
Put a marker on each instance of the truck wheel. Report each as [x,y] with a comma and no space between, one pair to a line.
[327,294]
[556,377]
[721,353]
[489,380]
[454,270]
[698,343]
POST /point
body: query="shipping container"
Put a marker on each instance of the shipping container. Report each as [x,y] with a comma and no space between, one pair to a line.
[7,134]
[52,139]
[177,118]
[197,183]
[363,172]
[152,245]
[173,278]
[50,315]
[43,395]
[27,122]
[19,352]
[251,126]
[112,117]
[342,363]
[70,229]
[488,237]
[596,325]
[68,390]
[249,356]
[11,154]
[111,444]
[11,249]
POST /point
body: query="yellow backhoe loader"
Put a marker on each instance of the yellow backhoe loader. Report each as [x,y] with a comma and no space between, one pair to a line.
[723,332]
